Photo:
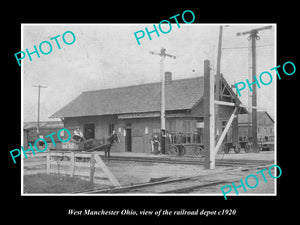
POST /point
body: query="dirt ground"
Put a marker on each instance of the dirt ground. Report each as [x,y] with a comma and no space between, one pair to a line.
[128,172]
[263,187]
[131,172]
[46,183]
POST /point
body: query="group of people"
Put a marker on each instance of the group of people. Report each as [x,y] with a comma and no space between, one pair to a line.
[158,142]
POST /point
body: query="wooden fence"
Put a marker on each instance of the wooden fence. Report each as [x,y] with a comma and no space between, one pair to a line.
[69,163]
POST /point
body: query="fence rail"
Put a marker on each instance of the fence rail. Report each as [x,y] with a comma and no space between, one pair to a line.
[70,163]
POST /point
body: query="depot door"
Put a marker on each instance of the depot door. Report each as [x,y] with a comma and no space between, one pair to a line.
[89,130]
[128,138]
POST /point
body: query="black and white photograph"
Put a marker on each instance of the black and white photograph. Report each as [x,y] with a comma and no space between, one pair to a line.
[124,114]
[132,109]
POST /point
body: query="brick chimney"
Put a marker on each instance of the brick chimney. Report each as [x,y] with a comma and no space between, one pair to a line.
[168,77]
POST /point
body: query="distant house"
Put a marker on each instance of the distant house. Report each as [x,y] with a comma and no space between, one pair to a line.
[265,127]
[134,112]
[45,128]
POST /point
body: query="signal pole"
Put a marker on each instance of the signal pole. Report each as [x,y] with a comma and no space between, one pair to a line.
[217,82]
[38,116]
[163,55]
[253,37]
[217,94]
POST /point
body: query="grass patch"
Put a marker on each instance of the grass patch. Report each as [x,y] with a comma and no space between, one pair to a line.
[52,183]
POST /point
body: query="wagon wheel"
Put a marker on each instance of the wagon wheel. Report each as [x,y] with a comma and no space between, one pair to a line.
[237,148]
[247,147]
[173,150]
[198,151]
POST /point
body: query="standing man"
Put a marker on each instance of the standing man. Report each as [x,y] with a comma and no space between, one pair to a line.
[180,142]
[155,142]
[168,142]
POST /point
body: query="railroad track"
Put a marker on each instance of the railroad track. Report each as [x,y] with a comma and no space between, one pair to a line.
[192,161]
[182,185]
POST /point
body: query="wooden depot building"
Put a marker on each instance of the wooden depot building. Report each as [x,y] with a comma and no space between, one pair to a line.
[134,112]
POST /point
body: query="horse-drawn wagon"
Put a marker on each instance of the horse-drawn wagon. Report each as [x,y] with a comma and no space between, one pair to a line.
[92,144]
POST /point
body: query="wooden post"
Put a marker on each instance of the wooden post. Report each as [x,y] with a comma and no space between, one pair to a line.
[92,168]
[72,164]
[209,118]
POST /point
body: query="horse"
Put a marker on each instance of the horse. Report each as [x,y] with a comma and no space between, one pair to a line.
[92,144]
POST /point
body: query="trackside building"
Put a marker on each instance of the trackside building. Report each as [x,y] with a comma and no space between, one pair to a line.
[134,112]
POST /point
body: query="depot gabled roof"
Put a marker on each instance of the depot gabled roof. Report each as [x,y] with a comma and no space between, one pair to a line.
[180,94]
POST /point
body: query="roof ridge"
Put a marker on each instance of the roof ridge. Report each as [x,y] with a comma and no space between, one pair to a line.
[139,85]
[135,98]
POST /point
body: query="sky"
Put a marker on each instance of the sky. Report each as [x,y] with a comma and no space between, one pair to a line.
[108,55]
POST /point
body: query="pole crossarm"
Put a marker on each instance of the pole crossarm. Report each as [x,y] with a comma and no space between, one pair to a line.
[163,53]
[254,31]
[39,86]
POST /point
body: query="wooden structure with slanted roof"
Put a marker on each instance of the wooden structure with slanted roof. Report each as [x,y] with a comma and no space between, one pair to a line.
[134,112]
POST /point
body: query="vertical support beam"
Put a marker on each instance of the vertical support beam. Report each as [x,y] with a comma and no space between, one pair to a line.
[209,118]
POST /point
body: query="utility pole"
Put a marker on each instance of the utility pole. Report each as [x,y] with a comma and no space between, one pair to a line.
[217,95]
[38,116]
[253,37]
[163,55]
[209,118]
[218,79]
